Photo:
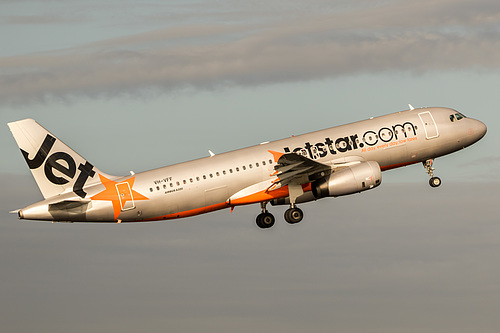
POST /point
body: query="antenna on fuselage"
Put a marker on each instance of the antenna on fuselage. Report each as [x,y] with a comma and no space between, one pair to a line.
[211,153]
[411,107]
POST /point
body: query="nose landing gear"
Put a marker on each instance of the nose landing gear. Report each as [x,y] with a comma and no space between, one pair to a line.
[434,181]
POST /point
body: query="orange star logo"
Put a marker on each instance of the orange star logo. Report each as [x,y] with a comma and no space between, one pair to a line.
[118,194]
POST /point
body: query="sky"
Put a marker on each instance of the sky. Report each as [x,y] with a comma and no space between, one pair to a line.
[139,85]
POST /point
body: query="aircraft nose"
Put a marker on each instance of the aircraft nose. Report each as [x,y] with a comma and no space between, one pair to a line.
[481,129]
[478,129]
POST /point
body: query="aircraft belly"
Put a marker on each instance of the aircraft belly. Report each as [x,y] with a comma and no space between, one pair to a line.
[99,211]
[216,195]
[431,148]
[159,206]
[398,154]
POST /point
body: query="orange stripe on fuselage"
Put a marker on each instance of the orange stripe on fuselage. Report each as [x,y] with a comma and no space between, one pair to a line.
[261,196]
[191,212]
[282,192]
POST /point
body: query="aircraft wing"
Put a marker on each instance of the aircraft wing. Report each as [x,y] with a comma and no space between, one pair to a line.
[296,169]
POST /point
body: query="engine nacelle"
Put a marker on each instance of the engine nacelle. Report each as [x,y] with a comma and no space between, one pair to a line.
[354,179]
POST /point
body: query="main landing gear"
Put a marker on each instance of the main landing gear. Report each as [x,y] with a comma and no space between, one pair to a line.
[266,220]
[293,215]
[434,181]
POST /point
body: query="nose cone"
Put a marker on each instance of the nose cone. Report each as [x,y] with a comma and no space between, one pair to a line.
[478,129]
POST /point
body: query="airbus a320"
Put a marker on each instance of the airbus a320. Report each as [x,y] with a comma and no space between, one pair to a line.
[333,162]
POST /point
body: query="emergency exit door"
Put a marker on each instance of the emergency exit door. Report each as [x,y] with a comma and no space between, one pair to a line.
[125,195]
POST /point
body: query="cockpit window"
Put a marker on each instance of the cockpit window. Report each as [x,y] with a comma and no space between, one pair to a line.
[457,116]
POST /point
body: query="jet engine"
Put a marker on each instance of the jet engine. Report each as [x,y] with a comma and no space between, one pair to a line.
[353,179]
[357,178]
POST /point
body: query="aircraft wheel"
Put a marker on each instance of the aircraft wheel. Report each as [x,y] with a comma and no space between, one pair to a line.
[293,215]
[265,220]
[434,181]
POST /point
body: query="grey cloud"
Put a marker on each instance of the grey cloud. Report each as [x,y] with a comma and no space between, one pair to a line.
[399,36]
[34,19]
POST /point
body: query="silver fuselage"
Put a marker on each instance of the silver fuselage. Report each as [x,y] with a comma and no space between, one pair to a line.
[207,184]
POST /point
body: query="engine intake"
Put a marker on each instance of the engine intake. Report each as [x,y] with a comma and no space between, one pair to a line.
[354,179]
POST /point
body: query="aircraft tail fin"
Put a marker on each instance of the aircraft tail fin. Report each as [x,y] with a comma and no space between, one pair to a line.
[56,167]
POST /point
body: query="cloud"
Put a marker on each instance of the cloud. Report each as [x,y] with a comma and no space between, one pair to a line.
[34,19]
[395,36]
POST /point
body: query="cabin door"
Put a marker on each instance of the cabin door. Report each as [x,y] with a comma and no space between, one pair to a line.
[431,130]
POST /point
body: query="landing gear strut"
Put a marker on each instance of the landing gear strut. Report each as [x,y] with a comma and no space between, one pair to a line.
[265,219]
[434,181]
[293,214]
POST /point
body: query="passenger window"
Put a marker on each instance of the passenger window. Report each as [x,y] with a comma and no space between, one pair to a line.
[250,166]
[237,169]
[223,172]
[256,165]
[230,170]
[197,179]
[217,173]
[157,188]
[164,186]
[263,162]
[244,167]
[171,185]
[204,177]
[184,181]
[151,189]
[270,161]
[211,176]
[191,180]
[178,184]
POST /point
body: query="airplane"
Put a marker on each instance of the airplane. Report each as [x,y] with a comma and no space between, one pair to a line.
[333,162]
